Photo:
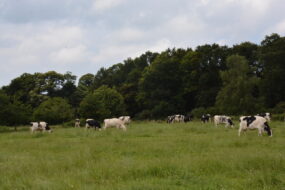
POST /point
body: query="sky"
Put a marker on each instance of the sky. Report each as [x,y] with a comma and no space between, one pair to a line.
[83,36]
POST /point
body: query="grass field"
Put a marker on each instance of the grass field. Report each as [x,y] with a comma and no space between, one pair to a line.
[148,156]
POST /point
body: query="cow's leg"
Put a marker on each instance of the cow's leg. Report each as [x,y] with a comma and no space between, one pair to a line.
[239,130]
[123,127]
[259,131]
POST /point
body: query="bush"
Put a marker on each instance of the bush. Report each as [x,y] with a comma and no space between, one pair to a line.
[54,111]
[103,103]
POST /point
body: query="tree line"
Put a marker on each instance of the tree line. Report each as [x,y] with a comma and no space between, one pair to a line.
[243,79]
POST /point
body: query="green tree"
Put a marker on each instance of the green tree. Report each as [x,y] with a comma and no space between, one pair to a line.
[13,114]
[272,56]
[54,111]
[105,102]
[236,95]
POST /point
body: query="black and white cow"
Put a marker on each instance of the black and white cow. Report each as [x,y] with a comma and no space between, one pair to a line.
[175,118]
[188,118]
[266,115]
[40,126]
[77,123]
[218,119]
[254,122]
[91,123]
[206,118]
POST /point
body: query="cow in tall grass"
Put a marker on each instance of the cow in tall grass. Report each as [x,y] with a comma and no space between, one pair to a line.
[91,123]
[77,123]
[254,122]
[219,119]
[175,118]
[114,122]
[40,126]
[206,118]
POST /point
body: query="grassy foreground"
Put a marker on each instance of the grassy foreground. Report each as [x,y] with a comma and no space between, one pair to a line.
[148,156]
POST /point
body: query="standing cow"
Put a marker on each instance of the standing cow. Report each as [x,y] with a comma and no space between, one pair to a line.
[175,118]
[206,118]
[254,122]
[77,123]
[114,122]
[218,119]
[40,126]
[91,123]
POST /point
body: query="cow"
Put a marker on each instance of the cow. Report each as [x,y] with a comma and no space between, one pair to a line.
[175,118]
[77,123]
[40,126]
[188,118]
[125,119]
[266,115]
[114,122]
[91,123]
[218,119]
[45,126]
[206,118]
[254,122]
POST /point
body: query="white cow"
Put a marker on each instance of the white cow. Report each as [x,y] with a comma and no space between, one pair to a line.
[125,119]
[254,122]
[218,119]
[114,122]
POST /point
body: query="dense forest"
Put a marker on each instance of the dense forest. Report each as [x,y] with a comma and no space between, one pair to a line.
[246,78]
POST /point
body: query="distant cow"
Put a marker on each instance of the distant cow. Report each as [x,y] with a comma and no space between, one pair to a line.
[218,119]
[175,118]
[114,122]
[254,122]
[188,118]
[266,115]
[206,118]
[125,119]
[77,123]
[40,126]
[91,123]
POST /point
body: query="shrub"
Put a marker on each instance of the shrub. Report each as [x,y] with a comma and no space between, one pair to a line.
[54,111]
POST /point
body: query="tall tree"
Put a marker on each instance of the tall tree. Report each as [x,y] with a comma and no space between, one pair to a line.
[236,95]
[272,56]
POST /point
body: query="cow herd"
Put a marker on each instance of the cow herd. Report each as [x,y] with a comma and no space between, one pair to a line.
[259,122]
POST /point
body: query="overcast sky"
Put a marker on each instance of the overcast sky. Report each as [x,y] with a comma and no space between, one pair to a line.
[83,36]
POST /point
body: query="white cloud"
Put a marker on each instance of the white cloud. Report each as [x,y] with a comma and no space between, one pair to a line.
[102,5]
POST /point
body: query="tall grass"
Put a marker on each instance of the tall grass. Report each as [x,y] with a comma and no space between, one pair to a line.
[148,156]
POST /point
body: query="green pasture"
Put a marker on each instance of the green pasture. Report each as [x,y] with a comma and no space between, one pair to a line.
[148,156]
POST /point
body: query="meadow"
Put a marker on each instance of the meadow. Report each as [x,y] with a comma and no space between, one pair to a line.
[148,156]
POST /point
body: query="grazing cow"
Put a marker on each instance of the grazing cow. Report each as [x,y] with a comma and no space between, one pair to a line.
[218,119]
[114,122]
[254,122]
[266,115]
[125,119]
[175,118]
[40,126]
[45,126]
[77,123]
[188,118]
[205,118]
[91,123]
